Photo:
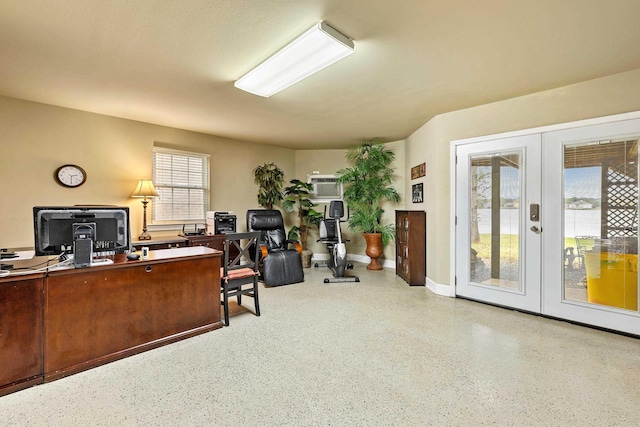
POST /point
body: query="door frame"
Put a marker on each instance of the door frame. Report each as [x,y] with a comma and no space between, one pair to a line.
[524,132]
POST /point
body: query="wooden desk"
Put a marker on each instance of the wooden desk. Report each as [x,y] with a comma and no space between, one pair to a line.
[96,315]
[213,241]
[21,357]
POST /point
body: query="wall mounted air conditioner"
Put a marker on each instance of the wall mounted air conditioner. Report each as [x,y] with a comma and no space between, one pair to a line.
[325,188]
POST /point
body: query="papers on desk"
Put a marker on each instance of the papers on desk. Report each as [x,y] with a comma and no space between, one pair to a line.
[20,256]
[16,256]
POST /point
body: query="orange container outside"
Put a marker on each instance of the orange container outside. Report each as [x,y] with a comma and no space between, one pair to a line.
[612,279]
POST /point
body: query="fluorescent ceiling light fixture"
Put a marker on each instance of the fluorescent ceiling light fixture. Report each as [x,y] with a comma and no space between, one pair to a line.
[314,50]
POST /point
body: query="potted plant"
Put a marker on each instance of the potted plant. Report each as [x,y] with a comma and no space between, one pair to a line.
[369,183]
[270,179]
[297,197]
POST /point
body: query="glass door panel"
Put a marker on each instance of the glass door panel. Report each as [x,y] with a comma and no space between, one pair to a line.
[601,223]
[495,220]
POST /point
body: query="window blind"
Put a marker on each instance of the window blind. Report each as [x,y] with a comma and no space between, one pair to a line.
[182,181]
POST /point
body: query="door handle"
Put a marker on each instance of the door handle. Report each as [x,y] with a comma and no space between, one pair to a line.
[535,229]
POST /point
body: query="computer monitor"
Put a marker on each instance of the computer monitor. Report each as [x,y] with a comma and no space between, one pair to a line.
[57,228]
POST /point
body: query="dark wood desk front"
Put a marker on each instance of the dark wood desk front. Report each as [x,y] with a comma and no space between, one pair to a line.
[87,317]
[21,356]
[213,241]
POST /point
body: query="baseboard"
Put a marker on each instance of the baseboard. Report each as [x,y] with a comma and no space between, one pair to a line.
[439,289]
[388,263]
[436,288]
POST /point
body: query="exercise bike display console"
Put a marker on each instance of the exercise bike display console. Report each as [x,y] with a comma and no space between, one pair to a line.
[331,235]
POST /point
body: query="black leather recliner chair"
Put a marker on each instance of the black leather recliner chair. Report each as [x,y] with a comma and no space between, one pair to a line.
[281,265]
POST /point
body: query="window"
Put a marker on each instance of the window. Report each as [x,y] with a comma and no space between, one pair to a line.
[182,181]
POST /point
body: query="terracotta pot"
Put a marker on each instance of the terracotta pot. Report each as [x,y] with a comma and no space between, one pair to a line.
[374,249]
[306,258]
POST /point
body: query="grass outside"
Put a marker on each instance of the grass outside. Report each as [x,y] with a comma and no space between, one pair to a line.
[574,278]
[508,246]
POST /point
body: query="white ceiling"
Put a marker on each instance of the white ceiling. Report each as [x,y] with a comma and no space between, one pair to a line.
[173,62]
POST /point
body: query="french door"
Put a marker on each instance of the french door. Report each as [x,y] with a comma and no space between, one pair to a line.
[548,223]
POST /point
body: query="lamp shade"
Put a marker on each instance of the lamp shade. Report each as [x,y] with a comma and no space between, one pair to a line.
[314,50]
[145,189]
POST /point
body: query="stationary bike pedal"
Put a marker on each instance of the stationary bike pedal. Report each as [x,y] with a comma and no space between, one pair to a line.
[349,266]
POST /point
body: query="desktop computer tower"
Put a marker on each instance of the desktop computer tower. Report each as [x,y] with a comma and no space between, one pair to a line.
[83,236]
[82,253]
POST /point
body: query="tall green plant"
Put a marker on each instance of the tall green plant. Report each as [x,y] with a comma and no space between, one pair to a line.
[297,197]
[369,183]
[270,179]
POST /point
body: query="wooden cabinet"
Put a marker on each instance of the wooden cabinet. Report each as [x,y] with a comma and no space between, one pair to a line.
[21,357]
[100,314]
[213,241]
[411,246]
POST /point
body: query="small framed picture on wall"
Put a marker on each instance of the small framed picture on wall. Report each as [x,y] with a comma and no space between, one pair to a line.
[419,171]
[417,191]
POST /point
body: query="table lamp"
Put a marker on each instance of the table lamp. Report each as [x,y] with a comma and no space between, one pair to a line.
[145,189]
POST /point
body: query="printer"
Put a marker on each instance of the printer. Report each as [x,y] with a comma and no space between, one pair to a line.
[220,222]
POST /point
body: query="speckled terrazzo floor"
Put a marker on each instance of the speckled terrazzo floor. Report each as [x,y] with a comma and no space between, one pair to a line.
[372,353]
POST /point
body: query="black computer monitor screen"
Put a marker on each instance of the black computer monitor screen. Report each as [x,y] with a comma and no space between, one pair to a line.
[54,228]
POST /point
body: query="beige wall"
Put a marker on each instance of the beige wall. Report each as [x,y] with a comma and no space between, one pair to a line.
[116,153]
[328,162]
[615,94]
[37,138]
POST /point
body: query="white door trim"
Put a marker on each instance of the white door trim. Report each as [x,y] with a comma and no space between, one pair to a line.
[551,304]
[541,129]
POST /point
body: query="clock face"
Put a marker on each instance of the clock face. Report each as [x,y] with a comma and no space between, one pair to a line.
[70,176]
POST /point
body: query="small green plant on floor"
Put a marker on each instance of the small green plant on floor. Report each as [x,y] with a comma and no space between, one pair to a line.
[297,197]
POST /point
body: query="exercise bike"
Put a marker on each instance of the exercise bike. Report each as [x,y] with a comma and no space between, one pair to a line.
[331,235]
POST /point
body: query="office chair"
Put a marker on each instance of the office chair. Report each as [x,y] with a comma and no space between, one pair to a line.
[281,265]
[240,270]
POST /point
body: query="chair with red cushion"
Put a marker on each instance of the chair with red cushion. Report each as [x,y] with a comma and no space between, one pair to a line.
[238,273]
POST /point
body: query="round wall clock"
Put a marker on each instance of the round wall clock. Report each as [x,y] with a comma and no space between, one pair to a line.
[70,176]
